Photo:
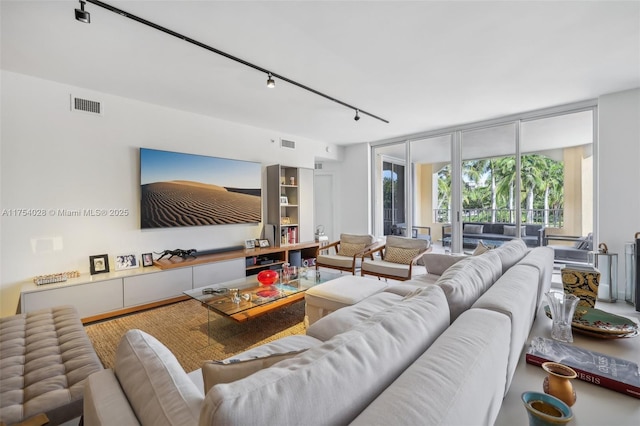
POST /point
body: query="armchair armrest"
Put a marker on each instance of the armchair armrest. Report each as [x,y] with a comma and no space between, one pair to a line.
[335,245]
[562,238]
[369,253]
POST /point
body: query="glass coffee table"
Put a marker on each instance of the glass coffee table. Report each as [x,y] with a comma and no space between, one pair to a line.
[244,299]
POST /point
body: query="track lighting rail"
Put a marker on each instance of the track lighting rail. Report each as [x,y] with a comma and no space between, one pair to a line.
[221,53]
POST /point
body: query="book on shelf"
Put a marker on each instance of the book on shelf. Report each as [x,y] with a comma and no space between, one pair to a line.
[594,367]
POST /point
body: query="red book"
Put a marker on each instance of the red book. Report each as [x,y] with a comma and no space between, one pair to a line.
[600,369]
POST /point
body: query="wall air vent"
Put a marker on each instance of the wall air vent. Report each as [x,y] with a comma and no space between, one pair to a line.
[287,144]
[318,166]
[85,106]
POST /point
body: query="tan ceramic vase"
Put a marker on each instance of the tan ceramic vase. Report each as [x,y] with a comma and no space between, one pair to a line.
[558,382]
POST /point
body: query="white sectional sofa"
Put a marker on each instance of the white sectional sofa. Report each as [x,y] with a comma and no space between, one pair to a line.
[417,353]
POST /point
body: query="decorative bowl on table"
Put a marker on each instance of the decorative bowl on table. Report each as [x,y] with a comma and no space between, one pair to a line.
[546,410]
[268,277]
[597,323]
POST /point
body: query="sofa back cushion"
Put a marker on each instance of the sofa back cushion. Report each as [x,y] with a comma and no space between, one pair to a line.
[332,383]
[514,295]
[437,263]
[510,230]
[455,382]
[541,258]
[511,253]
[473,228]
[465,281]
[365,239]
[158,389]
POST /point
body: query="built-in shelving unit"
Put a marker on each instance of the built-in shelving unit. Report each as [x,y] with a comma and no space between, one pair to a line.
[101,296]
[290,204]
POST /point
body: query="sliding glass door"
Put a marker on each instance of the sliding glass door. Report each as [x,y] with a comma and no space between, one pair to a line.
[557,174]
[537,169]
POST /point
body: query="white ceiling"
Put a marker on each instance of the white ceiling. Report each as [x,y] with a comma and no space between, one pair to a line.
[422,65]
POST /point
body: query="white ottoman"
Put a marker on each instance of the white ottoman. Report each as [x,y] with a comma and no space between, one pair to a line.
[322,299]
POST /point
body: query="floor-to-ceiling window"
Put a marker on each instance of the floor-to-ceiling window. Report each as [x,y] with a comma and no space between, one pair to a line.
[532,169]
[390,189]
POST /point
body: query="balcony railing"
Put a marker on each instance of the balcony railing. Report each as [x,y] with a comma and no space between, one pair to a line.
[548,217]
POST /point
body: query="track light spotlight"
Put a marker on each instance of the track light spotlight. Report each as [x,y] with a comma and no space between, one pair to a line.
[82,15]
[270,82]
[357,117]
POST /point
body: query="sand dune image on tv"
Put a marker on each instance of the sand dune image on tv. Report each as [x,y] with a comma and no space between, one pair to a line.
[174,192]
[179,203]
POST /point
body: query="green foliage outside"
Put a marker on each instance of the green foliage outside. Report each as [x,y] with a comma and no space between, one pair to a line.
[488,192]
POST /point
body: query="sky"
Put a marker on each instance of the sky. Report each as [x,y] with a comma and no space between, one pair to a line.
[162,166]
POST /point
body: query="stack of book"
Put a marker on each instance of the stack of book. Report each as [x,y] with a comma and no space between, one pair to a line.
[600,369]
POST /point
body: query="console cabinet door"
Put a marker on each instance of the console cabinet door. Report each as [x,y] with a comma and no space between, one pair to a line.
[147,288]
[89,299]
[218,272]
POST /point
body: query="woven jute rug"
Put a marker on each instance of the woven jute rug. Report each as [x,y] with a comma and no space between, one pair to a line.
[182,327]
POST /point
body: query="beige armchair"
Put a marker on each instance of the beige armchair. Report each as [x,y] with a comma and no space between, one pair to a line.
[400,259]
[346,253]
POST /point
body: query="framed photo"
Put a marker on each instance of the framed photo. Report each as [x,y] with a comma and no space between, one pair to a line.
[147,259]
[126,261]
[250,244]
[284,199]
[99,264]
[264,243]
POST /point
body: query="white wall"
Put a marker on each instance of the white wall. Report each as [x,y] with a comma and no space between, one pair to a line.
[619,173]
[52,158]
[355,194]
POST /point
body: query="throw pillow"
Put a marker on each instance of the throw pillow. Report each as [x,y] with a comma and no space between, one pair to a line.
[214,372]
[350,249]
[480,248]
[510,230]
[400,255]
[473,229]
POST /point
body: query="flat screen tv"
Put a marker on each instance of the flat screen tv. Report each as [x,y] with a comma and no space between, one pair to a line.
[179,189]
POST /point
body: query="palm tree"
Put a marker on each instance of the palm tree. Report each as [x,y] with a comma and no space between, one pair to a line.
[504,170]
[444,191]
[553,178]
[531,172]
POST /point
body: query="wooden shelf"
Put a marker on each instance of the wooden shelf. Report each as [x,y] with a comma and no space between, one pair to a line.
[178,262]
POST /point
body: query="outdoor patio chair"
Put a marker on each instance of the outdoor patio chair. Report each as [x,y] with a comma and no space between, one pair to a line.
[400,258]
[346,253]
[578,252]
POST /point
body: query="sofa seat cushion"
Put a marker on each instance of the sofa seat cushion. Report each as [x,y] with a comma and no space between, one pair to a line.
[464,282]
[337,260]
[454,382]
[332,383]
[322,299]
[382,267]
[158,389]
[255,359]
[348,317]
[514,295]
[45,357]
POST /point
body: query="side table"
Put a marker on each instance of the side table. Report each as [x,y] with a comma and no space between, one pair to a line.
[595,405]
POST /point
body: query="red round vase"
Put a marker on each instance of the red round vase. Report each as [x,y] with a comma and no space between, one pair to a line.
[268,277]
